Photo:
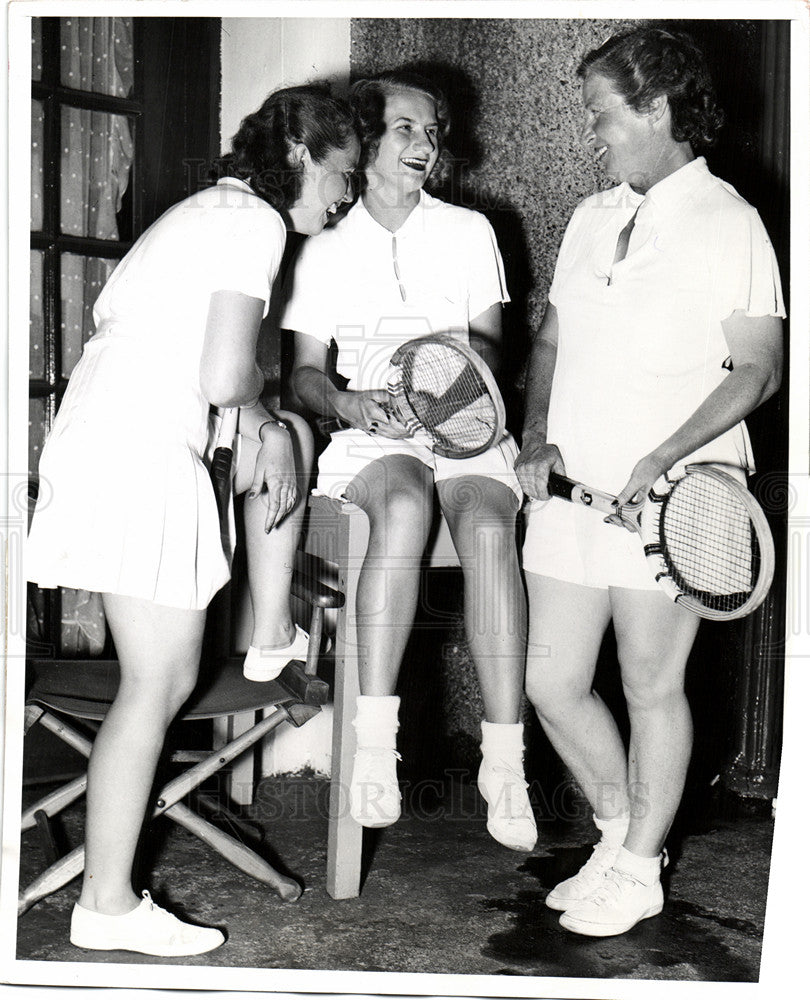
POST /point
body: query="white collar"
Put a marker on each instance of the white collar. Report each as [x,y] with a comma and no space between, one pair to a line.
[236,182]
[670,192]
[361,215]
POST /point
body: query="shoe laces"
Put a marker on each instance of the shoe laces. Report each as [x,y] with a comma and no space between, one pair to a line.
[377,761]
[511,799]
[177,929]
[611,887]
[600,860]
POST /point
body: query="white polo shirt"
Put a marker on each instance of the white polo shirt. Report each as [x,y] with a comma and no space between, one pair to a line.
[372,290]
[641,342]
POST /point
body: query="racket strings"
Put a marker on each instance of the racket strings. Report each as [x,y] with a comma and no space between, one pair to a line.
[448,396]
[710,543]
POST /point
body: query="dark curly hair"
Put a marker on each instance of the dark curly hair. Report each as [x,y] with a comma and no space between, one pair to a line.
[260,150]
[647,62]
[368,97]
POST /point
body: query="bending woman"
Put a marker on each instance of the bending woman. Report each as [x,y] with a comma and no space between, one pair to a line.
[662,332]
[132,513]
[403,264]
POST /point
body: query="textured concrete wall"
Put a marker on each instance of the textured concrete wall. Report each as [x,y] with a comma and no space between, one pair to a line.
[515,100]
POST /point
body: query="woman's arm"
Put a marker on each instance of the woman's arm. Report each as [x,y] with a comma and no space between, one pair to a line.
[229,375]
[311,382]
[486,336]
[537,458]
[755,345]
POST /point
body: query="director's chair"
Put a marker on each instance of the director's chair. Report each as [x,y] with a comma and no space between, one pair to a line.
[84,689]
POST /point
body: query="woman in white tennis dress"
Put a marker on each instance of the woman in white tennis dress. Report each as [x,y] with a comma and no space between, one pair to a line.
[662,332]
[127,507]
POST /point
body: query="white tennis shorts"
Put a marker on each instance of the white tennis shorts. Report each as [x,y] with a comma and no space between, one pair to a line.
[572,543]
[350,451]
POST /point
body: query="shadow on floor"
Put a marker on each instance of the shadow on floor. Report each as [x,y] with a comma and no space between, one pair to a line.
[440,896]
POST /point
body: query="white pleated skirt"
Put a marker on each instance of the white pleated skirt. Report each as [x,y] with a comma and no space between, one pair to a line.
[126,504]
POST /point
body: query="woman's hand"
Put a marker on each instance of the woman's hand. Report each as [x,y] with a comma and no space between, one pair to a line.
[274,476]
[368,411]
[645,473]
[532,466]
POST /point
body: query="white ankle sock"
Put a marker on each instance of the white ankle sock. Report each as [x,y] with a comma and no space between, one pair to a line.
[613,830]
[502,738]
[644,870]
[377,721]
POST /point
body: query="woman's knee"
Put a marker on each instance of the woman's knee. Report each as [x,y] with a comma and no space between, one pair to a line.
[161,694]
[303,440]
[479,504]
[553,698]
[651,681]
[401,506]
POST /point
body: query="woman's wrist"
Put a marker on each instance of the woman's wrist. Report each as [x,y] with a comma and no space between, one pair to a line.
[271,422]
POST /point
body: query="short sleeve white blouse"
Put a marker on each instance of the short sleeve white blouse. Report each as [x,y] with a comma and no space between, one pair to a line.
[372,290]
[641,343]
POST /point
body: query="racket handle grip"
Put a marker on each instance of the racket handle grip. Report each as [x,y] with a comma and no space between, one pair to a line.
[221,478]
[569,489]
[222,461]
[560,486]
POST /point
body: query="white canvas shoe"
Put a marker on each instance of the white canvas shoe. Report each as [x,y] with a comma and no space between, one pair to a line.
[617,904]
[265,663]
[510,819]
[575,889]
[374,796]
[147,929]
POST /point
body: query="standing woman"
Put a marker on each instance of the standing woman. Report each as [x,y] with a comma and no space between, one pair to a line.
[132,513]
[662,332]
[403,264]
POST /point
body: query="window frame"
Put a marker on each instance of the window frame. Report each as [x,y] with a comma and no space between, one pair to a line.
[50,241]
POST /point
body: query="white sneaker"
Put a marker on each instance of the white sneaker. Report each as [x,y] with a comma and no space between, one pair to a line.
[510,819]
[147,929]
[265,663]
[589,877]
[374,796]
[618,904]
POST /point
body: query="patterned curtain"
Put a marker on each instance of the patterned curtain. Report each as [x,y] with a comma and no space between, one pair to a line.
[95,159]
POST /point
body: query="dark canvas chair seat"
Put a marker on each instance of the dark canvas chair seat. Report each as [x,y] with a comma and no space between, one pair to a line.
[84,689]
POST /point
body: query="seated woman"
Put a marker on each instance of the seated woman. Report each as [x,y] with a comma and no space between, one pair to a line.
[662,332]
[399,265]
[131,512]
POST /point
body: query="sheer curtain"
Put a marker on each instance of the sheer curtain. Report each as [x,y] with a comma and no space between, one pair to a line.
[96,149]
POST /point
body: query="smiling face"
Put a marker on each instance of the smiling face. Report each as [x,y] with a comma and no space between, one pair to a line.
[409,147]
[325,187]
[626,143]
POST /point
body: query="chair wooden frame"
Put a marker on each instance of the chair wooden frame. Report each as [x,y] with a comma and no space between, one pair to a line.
[336,540]
[295,697]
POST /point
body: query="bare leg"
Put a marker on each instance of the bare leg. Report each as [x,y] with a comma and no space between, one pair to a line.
[159,652]
[654,638]
[481,515]
[395,492]
[566,625]
[271,555]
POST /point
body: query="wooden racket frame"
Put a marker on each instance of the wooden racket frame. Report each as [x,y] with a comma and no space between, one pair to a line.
[406,415]
[643,517]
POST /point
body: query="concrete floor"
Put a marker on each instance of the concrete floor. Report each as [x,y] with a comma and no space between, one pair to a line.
[440,896]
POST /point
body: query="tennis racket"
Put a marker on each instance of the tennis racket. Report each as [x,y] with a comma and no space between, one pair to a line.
[221,466]
[442,391]
[706,539]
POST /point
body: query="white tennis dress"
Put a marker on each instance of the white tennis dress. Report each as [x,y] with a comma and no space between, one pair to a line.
[126,504]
